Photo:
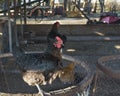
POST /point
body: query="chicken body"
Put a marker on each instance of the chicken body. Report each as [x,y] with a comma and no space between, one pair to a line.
[34,78]
[66,74]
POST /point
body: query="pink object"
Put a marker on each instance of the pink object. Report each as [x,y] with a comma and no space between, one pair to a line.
[59,42]
[109,19]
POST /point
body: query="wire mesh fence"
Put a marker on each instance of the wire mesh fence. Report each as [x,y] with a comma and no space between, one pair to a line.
[108,82]
[12,82]
[106,86]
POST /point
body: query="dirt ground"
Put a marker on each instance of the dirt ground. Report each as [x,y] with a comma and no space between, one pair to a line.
[12,84]
[89,51]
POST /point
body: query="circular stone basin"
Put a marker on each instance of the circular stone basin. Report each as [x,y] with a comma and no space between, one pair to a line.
[83,76]
[110,65]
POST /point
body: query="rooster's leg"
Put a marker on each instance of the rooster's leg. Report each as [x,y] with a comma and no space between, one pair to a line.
[40,90]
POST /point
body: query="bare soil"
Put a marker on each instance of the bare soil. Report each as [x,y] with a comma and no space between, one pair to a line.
[88,51]
[12,84]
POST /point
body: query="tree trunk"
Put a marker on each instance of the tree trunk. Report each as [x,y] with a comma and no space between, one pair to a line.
[65,5]
[29,2]
[89,6]
[101,5]
[5,6]
[79,1]
[69,5]
[95,7]
[25,21]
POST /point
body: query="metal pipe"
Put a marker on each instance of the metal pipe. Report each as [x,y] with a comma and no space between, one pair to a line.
[9,27]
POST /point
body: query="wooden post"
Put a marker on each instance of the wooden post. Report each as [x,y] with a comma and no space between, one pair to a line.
[15,27]
[25,21]
[9,27]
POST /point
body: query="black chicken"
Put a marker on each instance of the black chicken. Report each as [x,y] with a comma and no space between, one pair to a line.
[56,42]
